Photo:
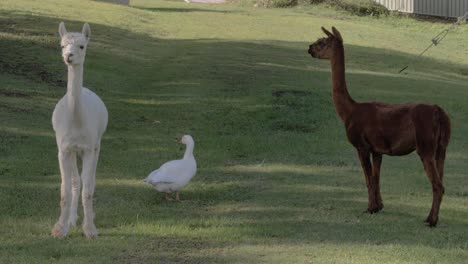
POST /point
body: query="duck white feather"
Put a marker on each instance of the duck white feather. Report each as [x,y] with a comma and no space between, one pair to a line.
[174,175]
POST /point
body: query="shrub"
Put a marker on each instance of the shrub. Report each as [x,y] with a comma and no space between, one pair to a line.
[361,7]
[357,7]
[276,3]
[314,2]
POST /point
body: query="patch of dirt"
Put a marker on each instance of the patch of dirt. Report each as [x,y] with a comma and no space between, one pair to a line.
[14,109]
[4,171]
[13,94]
[33,71]
[7,143]
[166,250]
[281,93]
[206,1]
[292,109]
[294,126]
[29,59]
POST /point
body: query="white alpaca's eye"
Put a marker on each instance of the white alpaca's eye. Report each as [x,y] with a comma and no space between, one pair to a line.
[81,47]
[63,47]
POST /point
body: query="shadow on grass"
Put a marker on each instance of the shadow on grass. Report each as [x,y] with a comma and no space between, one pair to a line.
[135,248]
[258,206]
[182,10]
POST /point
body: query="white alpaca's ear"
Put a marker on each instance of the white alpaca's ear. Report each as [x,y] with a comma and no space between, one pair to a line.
[86,31]
[62,29]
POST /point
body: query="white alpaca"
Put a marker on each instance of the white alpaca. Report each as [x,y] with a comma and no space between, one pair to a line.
[79,121]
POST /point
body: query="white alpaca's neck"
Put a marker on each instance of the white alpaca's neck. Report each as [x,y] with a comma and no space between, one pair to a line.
[189,150]
[74,87]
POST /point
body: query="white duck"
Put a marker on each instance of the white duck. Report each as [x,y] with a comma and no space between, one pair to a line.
[173,175]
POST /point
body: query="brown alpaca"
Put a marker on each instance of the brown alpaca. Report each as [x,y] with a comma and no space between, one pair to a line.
[394,129]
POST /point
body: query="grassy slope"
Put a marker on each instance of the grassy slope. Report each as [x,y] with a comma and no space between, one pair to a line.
[278,182]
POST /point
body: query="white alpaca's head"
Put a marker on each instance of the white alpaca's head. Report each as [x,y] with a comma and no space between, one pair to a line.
[74,44]
[186,140]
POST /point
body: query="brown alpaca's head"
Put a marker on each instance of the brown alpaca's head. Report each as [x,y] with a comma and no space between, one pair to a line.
[323,48]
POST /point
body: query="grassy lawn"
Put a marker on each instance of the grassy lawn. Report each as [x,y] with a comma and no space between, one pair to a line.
[277,180]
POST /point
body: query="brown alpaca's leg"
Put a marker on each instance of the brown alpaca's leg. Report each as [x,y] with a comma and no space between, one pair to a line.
[364,157]
[376,162]
[440,162]
[427,145]
[437,190]
[440,159]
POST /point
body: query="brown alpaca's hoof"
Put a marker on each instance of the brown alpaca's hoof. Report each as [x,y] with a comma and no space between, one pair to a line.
[380,206]
[431,222]
[373,210]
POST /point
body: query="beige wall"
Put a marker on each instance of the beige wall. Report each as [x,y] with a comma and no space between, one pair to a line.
[444,8]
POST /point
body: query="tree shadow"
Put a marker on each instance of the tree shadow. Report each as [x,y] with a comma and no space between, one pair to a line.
[258,205]
[183,10]
[135,248]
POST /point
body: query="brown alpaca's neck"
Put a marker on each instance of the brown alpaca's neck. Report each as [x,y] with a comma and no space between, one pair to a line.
[344,104]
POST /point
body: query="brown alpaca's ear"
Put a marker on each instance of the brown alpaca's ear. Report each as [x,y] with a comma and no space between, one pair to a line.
[337,34]
[328,33]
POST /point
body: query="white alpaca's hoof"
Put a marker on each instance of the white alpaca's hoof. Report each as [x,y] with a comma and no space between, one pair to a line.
[72,224]
[72,221]
[90,231]
[59,231]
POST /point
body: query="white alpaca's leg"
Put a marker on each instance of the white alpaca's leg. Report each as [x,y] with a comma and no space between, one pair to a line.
[65,161]
[76,186]
[88,175]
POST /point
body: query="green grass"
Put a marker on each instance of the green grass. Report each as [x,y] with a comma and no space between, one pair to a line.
[277,180]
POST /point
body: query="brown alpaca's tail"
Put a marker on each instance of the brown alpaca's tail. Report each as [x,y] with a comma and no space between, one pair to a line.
[444,128]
